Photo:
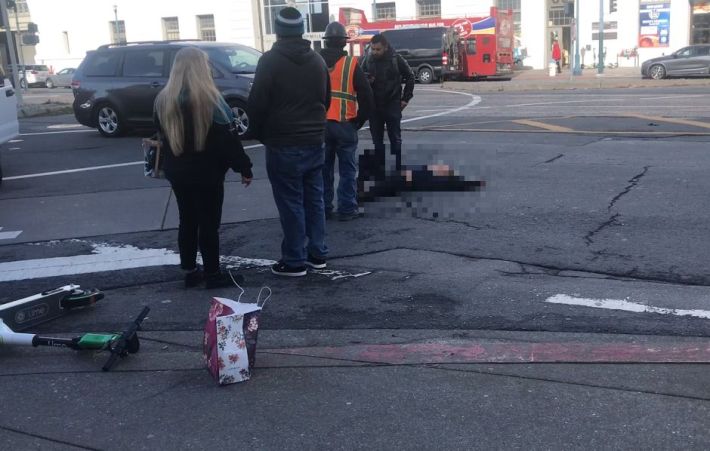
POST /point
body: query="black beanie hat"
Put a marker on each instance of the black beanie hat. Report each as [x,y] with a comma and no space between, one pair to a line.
[289,22]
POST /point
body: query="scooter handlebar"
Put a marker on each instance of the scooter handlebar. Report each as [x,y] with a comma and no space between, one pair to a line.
[122,345]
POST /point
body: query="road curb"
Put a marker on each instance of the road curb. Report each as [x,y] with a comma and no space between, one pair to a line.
[569,85]
[44,109]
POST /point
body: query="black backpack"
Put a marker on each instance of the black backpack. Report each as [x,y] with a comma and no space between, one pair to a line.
[365,65]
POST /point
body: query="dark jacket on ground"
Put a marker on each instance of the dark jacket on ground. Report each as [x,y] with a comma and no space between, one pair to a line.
[365,98]
[389,73]
[290,96]
[223,150]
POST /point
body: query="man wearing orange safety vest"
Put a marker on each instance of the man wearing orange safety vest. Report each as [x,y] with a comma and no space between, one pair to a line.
[351,103]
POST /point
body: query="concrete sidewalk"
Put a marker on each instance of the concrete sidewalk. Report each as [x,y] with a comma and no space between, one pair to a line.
[163,399]
[540,80]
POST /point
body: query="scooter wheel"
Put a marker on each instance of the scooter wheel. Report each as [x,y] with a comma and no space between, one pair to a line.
[82,298]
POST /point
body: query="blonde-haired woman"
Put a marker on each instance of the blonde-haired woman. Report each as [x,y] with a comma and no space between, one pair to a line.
[199,147]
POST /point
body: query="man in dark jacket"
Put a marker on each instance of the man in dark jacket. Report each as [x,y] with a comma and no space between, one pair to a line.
[350,107]
[387,71]
[287,105]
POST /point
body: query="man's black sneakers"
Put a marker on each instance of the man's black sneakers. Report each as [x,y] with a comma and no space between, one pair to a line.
[282,269]
[348,216]
[315,262]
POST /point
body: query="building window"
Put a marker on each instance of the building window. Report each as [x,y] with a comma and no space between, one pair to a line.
[556,14]
[22,7]
[386,11]
[428,8]
[205,28]
[701,24]
[513,5]
[171,28]
[316,13]
[118,31]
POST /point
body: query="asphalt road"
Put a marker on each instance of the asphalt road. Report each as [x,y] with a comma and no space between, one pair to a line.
[593,224]
[628,208]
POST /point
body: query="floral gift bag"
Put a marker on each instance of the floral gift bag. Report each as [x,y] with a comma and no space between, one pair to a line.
[230,338]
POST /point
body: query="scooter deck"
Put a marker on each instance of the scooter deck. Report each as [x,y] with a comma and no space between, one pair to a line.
[37,309]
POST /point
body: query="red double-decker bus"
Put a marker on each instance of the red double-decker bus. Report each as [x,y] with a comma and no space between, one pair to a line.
[472,47]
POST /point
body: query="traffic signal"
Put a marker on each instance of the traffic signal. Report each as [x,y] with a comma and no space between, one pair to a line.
[613,6]
[11,4]
[30,39]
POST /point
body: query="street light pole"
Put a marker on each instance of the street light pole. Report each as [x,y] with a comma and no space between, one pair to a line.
[577,66]
[20,51]
[115,23]
[601,37]
[11,45]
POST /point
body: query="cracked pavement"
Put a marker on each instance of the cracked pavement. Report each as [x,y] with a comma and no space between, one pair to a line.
[589,217]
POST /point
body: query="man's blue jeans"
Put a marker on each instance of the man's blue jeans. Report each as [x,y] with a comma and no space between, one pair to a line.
[341,141]
[296,176]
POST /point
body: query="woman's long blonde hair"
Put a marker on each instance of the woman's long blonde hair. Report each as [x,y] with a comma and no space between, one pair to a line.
[190,83]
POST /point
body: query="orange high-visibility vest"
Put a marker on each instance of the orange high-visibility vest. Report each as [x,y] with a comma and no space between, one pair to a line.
[343,101]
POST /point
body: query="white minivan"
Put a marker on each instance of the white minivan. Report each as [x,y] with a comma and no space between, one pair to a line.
[9,127]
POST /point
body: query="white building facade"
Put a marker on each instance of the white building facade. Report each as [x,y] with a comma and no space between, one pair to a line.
[634,30]
[69,29]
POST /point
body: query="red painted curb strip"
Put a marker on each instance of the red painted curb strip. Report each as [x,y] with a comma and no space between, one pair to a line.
[558,352]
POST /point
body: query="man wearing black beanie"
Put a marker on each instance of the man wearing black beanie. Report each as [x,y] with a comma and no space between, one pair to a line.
[287,105]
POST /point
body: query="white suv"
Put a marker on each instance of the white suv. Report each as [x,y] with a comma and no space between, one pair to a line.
[9,127]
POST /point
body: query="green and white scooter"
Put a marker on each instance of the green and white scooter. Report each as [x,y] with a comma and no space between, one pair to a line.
[42,307]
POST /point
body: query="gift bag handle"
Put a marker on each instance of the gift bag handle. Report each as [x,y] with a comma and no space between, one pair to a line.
[231,276]
[258,298]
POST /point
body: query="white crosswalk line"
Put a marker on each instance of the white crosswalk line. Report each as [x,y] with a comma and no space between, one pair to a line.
[11,235]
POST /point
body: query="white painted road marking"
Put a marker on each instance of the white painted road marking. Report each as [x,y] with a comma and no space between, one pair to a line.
[91,130]
[619,304]
[9,235]
[475,100]
[90,168]
[64,126]
[69,171]
[106,257]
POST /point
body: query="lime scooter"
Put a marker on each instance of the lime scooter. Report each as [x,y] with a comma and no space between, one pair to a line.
[52,304]
[28,312]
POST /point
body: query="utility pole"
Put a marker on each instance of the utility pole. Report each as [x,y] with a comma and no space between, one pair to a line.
[20,51]
[601,37]
[11,45]
[577,67]
[115,24]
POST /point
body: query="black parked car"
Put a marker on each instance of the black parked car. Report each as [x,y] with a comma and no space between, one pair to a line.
[422,48]
[116,85]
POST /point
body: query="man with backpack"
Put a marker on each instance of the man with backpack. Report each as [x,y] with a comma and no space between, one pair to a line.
[387,71]
[350,107]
